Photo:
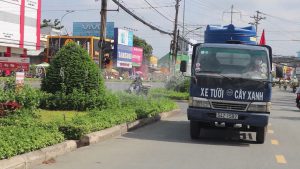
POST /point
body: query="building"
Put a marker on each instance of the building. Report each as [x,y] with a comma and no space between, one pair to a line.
[165,61]
[19,32]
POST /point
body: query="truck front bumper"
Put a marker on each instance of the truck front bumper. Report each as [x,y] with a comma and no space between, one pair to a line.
[244,118]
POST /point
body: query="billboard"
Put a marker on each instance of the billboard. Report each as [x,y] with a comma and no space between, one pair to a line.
[137,56]
[124,56]
[123,37]
[92,29]
[20,28]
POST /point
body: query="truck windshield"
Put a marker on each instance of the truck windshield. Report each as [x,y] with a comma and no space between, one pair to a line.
[239,63]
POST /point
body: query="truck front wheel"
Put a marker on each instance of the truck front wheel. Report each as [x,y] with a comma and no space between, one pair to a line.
[194,129]
[261,134]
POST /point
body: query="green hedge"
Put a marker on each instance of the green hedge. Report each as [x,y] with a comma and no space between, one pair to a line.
[132,108]
[160,92]
[18,140]
[95,121]
[79,100]
[21,133]
[27,97]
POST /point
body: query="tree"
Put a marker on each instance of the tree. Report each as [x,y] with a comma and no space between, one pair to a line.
[48,23]
[72,68]
[139,42]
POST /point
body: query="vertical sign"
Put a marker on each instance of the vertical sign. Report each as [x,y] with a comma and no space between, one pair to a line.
[137,55]
[123,48]
[20,78]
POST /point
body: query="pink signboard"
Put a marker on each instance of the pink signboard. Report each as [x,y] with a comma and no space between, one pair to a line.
[137,55]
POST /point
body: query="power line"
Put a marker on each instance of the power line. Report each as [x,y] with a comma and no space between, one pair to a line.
[280,18]
[158,12]
[96,9]
[141,20]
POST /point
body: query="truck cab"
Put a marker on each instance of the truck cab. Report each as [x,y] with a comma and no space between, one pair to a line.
[230,86]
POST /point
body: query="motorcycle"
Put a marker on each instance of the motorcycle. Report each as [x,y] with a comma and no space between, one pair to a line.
[285,84]
[298,98]
[138,88]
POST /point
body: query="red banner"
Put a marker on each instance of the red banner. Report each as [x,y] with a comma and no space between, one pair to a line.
[14,66]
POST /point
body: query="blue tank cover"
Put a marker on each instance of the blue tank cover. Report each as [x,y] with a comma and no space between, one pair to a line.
[222,34]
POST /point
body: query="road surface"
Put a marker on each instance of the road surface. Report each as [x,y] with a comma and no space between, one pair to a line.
[167,145]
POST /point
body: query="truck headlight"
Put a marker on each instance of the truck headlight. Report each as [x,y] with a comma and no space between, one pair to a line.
[260,107]
[199,102]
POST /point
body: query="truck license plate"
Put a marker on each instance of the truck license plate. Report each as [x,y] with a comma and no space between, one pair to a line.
[227,116]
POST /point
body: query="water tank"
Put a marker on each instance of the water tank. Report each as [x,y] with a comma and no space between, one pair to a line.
[222,34]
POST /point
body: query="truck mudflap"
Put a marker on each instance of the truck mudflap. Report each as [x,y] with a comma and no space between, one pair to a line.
[237,117]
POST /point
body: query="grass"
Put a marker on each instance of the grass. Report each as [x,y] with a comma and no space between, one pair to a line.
[161,92]
[53,116]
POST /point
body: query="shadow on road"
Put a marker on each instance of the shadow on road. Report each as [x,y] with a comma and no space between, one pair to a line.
[178,131]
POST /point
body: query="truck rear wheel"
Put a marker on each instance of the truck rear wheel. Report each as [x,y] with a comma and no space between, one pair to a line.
[194,129]
[260,134]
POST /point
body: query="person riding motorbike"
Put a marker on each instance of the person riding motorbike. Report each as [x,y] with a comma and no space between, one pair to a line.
[136,85]
[285,84]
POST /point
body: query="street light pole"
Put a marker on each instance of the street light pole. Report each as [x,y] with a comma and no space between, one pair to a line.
[175,38]
[183,26]
[61,19]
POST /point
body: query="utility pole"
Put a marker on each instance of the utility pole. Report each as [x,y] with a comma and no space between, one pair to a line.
[103,14]
[257,18]
[183,27]
[175,38]
[232,12]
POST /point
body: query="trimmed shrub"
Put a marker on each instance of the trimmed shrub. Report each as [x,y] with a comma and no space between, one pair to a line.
[79,100]
[178,83]
[72,69]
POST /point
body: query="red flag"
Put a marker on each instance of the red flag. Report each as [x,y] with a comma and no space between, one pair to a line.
[262,39]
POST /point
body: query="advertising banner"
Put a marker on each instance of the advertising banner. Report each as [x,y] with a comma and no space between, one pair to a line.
[123,37]
[14,63]
[124,56]
[92,29]
[13,66]
[137,56]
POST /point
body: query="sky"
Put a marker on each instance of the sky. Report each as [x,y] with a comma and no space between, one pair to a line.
[282,23]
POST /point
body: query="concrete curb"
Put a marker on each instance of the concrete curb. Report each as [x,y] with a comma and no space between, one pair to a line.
[119,130]
[31,159]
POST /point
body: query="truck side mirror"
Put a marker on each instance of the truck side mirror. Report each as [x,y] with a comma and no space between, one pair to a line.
[279,72]
[183,65]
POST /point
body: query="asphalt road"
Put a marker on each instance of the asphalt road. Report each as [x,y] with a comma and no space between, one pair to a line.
[167,144]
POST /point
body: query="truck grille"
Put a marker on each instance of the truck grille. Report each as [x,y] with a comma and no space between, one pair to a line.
[229,106]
